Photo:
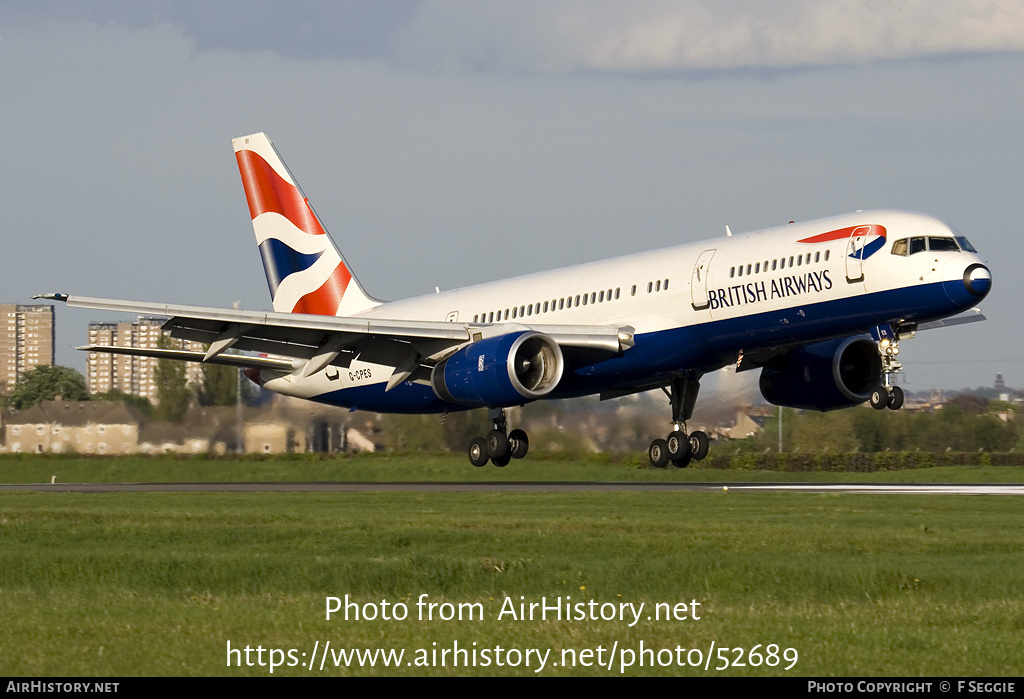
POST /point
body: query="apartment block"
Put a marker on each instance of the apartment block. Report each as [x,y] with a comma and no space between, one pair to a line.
[129,374]
[26,340]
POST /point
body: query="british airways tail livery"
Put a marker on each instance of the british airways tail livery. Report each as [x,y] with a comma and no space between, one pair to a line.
[819,307]
[305,272]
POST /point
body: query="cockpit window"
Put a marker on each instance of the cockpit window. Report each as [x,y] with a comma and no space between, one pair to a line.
[900,247]
[942,245]
[917,245]
[965,245]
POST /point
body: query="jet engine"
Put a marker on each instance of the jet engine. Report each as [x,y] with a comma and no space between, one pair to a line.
[824,375]
[500,372]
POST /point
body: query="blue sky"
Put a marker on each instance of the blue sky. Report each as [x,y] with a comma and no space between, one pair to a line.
[445,143]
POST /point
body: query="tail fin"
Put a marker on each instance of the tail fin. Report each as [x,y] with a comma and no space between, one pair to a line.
[305,271]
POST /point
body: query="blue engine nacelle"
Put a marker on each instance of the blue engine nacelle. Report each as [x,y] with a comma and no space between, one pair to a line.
[824,375]
[500,372]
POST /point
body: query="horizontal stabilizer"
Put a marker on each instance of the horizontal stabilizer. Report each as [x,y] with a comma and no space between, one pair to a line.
[236,360]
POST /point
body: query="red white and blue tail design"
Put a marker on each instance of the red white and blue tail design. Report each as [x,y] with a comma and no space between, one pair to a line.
[305,271]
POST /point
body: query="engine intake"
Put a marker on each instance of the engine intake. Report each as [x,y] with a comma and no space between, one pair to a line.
[500,372]
[824,375]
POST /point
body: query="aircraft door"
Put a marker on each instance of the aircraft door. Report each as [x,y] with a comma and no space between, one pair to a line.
[699,281]
[855,254]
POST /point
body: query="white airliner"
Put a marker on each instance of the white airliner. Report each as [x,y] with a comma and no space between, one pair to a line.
[819,307]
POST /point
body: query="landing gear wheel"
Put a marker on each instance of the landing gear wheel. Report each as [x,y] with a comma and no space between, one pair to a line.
[658,453]
[478,452]
[518,443]
[879,398]
[678,446]
[497,444]
[896,398]
[684,461]
[502,460]
[699,444]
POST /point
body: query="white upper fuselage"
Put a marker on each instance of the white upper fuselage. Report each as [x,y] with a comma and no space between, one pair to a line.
[658,290]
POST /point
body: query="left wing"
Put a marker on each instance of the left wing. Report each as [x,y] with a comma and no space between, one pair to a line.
[307,343]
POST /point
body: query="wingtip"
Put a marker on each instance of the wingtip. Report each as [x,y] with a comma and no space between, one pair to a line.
[52,297]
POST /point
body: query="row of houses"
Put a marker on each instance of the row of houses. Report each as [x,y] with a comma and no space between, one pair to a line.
[112,427]
[293,426]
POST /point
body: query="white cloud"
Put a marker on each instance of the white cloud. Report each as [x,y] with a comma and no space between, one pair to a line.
[606,36]
[702,35]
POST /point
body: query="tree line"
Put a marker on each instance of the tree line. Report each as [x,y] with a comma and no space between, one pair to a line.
[966,423]
[218,385]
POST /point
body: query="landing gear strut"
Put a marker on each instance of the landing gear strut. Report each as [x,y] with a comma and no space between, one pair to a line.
[679,447]
[886,395]
[499,446]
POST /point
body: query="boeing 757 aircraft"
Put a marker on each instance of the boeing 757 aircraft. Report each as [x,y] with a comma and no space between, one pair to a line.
[819,307]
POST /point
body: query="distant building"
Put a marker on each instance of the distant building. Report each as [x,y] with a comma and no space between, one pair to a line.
[26,341]
[1000,385]
[274,436]
[745,425]
[135,376]
[113,427]
[82,427]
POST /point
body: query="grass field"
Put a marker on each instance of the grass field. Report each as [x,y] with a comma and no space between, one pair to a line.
[159,584]
[418,467]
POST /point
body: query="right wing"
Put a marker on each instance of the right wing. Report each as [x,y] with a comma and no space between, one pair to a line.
[970,316]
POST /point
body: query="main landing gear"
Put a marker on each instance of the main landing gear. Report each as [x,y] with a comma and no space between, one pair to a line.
[499,446]
[679,447]
[885,395]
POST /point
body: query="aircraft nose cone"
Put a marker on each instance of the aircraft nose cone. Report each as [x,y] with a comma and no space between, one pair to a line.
[967,286]
[977,280]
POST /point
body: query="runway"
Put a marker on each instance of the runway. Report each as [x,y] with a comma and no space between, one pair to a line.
[526,487]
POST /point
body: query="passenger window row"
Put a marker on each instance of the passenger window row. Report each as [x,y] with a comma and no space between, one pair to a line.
[652,287]
[778,263]
[540,308]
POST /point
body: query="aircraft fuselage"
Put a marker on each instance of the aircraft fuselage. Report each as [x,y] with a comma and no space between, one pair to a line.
[695,307]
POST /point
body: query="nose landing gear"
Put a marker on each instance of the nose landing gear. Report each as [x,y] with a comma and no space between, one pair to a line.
[890,397]
[887,395]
